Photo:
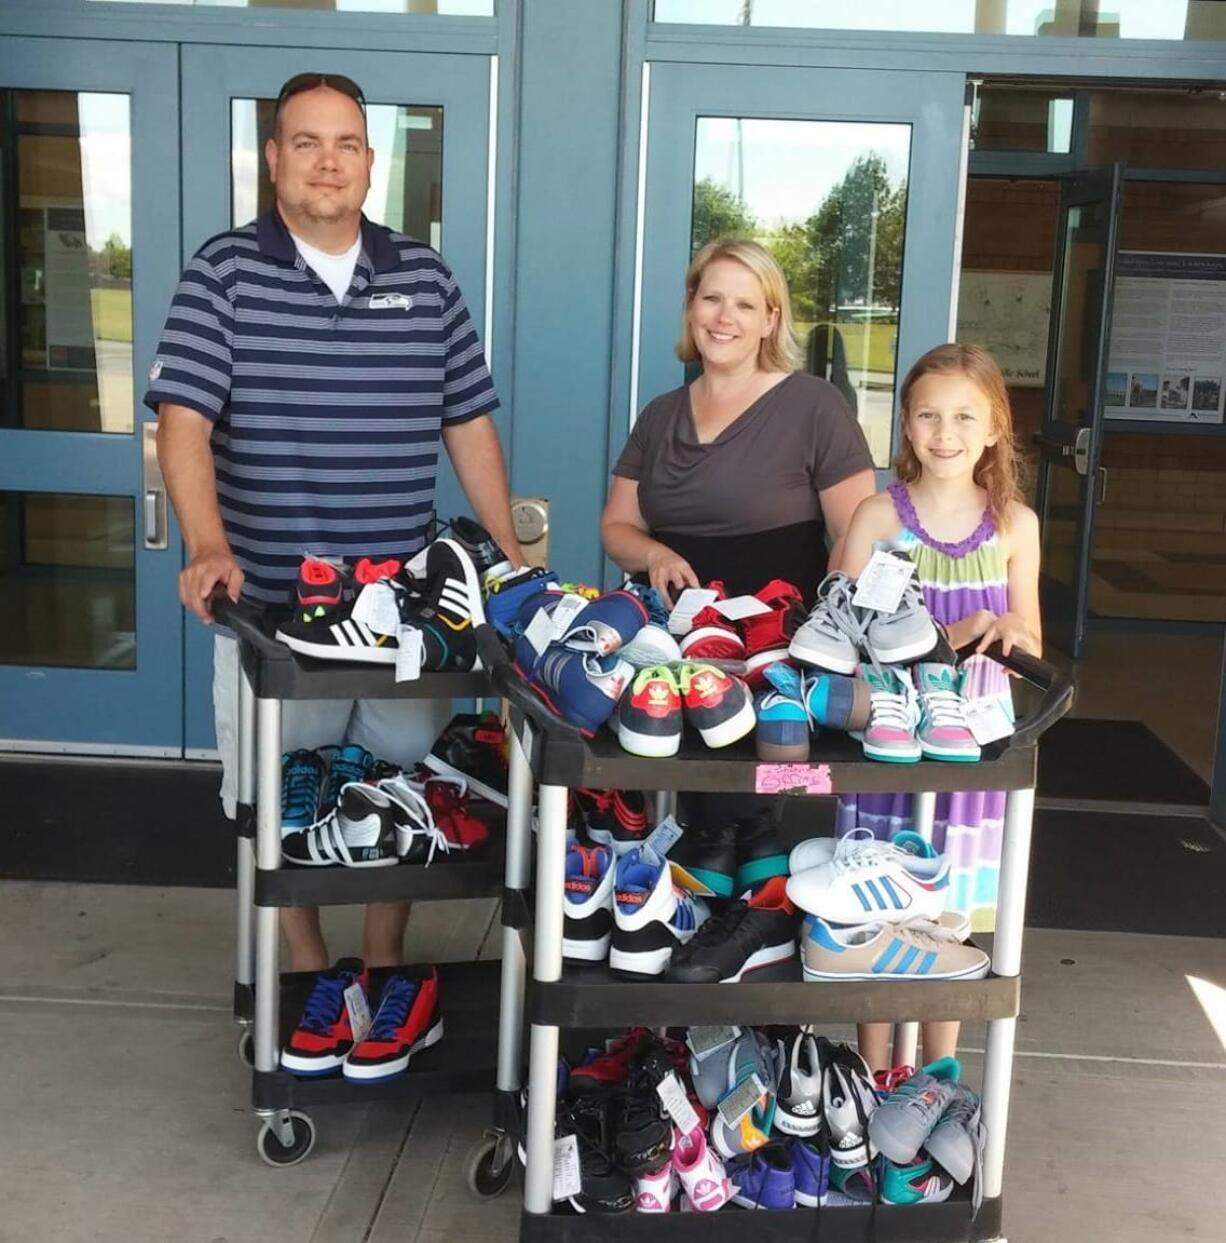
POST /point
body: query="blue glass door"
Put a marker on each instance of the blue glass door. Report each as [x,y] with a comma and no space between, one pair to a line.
[90,628]
[428,118]
[849,177]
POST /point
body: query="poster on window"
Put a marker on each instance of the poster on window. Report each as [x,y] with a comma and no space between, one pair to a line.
[70,320]
[1007,313]
[1168,338]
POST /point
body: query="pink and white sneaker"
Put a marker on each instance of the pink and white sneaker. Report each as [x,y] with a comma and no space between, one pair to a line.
[702,1173]
[943,732]
[893,716]
[654,1192]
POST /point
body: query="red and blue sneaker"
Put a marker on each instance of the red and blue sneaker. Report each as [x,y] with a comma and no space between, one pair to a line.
[324,1035]
[407,1021]
[607,623]
[581,687]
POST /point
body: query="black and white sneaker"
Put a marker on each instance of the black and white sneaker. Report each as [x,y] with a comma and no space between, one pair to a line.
[360,833]
[448,610]
[339,640]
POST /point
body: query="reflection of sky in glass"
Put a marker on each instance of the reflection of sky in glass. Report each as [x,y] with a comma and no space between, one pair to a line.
[784,169]
[443,8]
[106,167]
[1138,19]
[247,164]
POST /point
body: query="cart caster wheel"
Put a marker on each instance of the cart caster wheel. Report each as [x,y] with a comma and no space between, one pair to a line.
[246,1048]
[489,1165]
[271,1150]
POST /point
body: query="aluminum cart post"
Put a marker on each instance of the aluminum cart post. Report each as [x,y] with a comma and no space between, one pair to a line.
[906,1035]
[244,871]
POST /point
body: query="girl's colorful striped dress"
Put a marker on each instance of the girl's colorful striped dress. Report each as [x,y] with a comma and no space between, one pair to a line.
[957,580]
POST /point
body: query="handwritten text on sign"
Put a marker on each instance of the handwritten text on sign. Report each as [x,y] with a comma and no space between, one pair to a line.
[802,778]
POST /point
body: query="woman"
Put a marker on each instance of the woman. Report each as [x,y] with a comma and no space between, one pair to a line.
[745,474]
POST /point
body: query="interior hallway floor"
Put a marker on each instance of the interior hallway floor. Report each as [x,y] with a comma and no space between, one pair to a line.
[126,1111]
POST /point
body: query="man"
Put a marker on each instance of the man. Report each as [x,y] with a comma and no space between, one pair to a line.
[310,364]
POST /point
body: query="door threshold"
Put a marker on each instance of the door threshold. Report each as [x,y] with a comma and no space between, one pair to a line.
[1193,811]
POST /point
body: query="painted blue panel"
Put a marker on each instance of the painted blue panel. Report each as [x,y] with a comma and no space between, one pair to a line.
[566,233]
[212,77]
[931,103]
[109,708]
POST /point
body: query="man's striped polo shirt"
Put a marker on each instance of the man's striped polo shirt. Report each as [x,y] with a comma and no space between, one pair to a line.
[327,418]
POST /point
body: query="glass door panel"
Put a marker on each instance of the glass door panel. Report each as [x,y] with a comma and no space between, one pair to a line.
[90,641]
[776,154]
[1070,439]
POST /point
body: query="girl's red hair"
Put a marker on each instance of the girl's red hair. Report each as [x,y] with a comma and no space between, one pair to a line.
[996,472]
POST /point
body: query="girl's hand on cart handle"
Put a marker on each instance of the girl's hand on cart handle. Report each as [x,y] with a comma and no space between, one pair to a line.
[1010,631]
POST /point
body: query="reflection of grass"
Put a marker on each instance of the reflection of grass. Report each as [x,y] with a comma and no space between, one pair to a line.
[881,338]
[112,314]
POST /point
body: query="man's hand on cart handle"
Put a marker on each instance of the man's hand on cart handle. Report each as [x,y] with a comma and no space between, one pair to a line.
[202,575]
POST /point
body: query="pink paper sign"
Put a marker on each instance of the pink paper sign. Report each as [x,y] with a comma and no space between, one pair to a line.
[800,778]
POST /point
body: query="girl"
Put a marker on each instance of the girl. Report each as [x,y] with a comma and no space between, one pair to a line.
[955,510]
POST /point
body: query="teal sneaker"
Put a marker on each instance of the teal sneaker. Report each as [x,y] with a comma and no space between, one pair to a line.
[943,732]
[921,1181]
[782,733]
[829,699]
[893,717]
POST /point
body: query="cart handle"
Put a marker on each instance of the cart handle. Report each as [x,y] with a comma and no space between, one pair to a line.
[512,687]
[247,622]
[1058,689]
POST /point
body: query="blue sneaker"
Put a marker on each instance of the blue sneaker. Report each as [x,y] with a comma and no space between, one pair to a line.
[657,613]
[581,687]
[829,699]
[507,597]
[607,623]
[764,1179]
[347,763]
[782,734]
[302,787]
[811,1169]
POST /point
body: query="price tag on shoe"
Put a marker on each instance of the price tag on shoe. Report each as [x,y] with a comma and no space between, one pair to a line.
[987,720]
[665,836]
[704,1041]
[359,1011]
[376,607]
[738,1102]
[565,612]
[408,654]
[882,582]
[539,632]
[689,603]
[567,1178]
[740,607]
[673,1098]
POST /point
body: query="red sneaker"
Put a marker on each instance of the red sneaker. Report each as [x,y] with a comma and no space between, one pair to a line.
[368,571]
[612,1067]
[407,1021]
[324,1035]
[712,636]
[448,805]
[768,634]
[320,589]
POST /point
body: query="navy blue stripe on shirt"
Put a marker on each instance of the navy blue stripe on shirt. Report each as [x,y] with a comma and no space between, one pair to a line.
[327,418]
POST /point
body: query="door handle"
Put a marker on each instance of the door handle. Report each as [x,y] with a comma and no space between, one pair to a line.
[157,534]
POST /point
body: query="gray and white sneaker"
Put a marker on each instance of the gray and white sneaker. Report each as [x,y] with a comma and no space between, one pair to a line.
[943,732]
[833,635]
[908,1116]
[893,716]
[957,1141]
[906,634]
[798,1105]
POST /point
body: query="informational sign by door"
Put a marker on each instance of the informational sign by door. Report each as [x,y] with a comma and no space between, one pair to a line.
[1168,338]
[70,322]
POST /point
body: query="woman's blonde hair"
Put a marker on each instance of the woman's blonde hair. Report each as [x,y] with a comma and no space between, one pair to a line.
[781,350]
[996,472]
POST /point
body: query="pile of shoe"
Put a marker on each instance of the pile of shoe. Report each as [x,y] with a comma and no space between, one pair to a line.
[340,807]
[915,704]
[333,1033]
[632,1154]
[660,904]
[363,614]
[876,911]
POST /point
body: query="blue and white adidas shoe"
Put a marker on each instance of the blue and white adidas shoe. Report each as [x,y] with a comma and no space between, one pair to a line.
[870,880]
[652,915]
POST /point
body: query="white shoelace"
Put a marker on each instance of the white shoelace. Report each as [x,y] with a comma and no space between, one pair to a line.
[944,708]
[894,709]
[410,800]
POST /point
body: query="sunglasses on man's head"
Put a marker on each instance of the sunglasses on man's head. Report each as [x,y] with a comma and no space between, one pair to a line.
[310,81]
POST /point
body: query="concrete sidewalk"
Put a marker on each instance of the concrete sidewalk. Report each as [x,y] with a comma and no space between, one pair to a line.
[126,1111]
